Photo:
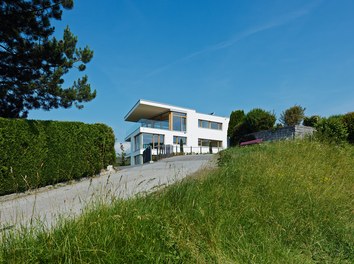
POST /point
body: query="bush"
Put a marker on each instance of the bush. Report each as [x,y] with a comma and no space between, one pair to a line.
[311,121]
[348,120]
[236,117]
[255,120]
[240,130]
[39,153]
[259,119]
[331,130]
[292,116]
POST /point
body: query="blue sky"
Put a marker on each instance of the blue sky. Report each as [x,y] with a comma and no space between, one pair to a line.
[213,56]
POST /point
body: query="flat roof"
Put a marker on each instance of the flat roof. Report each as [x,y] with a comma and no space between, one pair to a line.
[145,109]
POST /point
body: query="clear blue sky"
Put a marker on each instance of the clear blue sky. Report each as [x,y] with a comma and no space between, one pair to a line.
[213,56]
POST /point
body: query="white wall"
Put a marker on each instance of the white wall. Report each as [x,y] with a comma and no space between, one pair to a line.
[193,132]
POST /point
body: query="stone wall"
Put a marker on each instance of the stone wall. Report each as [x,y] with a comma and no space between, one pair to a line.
[290,132]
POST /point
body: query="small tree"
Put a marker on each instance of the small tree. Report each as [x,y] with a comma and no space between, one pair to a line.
[292,116]
[311,121]
[122,155]
[236,117]
[258,119]
[181,146]
[238,133]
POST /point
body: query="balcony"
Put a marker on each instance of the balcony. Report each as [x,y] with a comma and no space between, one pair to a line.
[150,123]
[158,124]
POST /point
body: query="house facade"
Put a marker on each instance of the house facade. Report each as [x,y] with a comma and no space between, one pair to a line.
[162,127]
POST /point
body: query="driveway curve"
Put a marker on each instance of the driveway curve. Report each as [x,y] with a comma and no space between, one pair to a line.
[46,205]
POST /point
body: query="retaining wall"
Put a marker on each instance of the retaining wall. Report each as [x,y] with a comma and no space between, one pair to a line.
[290,132]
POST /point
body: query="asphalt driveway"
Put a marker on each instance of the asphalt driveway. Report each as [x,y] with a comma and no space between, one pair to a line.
[68,200]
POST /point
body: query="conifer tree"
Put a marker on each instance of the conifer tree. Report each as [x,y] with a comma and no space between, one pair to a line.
[33,62]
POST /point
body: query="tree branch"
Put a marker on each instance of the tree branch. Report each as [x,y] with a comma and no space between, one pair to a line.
[38,10]
[6,49]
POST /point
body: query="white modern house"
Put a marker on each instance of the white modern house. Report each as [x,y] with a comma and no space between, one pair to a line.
[162,127]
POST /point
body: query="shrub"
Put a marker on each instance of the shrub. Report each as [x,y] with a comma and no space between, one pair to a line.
[292,116]
[236,117]
[348,120]
[255,120]
[39,153]
[311,121]
[331,130]
[259,119]
[240,130]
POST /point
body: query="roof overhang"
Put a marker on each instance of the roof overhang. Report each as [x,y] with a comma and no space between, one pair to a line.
[146,110]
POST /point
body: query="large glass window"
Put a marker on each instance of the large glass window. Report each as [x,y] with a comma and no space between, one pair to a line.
[153,141]
[209,124]
[177,140]
[206,142]
[179,121]
[147,140]
[160,121]
[137,142]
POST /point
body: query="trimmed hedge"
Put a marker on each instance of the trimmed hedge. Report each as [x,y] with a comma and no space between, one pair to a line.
[39,153]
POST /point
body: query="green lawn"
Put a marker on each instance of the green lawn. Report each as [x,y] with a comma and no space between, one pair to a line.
[285,202]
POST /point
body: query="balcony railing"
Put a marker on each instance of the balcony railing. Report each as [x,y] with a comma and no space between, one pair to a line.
[154,123]
[157,124]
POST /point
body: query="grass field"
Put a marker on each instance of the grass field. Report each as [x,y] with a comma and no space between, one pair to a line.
[284,202]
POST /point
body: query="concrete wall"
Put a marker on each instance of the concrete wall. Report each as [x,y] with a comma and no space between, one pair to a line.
[290,132]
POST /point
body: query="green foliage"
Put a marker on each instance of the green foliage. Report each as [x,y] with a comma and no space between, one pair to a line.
[236,117]
[258,119]
[255,120]
[122,155]
[311,121]
[348,120]
[33,62]
[39,153]
[331,130]
[285,202]
[293,116]
[240,130]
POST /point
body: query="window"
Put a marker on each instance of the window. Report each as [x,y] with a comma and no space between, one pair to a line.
[153,141]
[177,140]
[204,124]
[179,121]
[209,124]
[137,159]
[206,142]
[137,142]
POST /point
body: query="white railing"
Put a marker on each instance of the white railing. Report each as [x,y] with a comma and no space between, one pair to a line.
[169,150]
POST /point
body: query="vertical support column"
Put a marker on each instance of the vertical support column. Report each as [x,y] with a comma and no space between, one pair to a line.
[170,119]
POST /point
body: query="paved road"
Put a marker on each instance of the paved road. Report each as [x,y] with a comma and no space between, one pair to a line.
[46,204]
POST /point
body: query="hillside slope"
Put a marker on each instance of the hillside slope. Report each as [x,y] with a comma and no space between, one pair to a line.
[285,202]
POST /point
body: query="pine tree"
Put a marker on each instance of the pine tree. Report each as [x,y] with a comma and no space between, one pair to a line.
[33,63]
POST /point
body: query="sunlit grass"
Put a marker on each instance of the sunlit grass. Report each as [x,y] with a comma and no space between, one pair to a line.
[286,202]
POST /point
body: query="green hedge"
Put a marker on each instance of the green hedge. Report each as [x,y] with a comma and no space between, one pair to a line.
[39,153]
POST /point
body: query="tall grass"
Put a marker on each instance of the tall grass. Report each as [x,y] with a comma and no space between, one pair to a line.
[286,202]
